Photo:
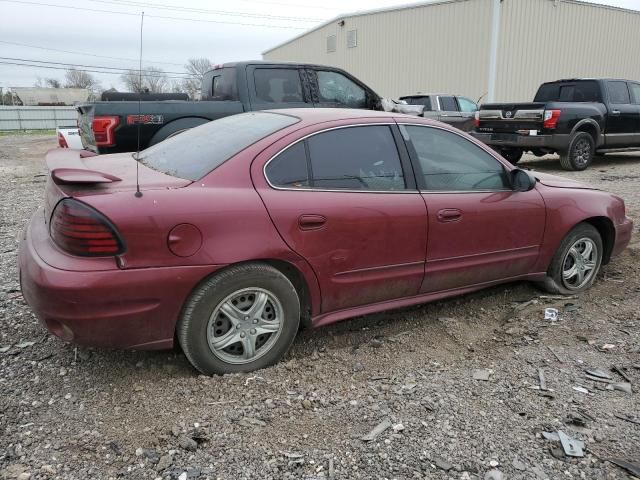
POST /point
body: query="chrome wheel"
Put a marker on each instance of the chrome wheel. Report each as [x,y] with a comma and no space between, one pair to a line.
[245,325]
[579,264]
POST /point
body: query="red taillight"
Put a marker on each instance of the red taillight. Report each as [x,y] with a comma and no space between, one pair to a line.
[103,130]
[80,230]
[551,118]
[476,119]
[62,143]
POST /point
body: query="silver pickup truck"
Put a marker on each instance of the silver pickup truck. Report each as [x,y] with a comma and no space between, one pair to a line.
[455,110]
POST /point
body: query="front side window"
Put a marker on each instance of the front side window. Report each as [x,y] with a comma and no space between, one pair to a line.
[618,92]
[467,105]
[336,88]
[448,104]
[355,158]
[278,85]
[450,162]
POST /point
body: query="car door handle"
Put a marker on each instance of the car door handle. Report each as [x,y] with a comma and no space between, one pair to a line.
[449,215]
[311,222]
[615,112]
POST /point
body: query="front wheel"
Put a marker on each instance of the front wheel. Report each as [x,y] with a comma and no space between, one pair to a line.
[512,155]
[576,263]
[580,153]
[242,319]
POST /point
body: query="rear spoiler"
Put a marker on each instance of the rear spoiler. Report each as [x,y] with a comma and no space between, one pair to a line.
[66,166]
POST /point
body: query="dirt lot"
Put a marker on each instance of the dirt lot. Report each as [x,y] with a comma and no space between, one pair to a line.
[78,413]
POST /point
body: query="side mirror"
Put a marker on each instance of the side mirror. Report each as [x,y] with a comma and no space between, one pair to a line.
[522,181]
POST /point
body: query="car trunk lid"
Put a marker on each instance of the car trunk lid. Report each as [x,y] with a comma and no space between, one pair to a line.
[511,117]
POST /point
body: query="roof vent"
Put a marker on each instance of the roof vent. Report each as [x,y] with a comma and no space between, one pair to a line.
[331,43]
[352,38]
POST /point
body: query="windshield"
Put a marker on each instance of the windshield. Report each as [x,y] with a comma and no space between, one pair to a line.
[196,152]
[578,91]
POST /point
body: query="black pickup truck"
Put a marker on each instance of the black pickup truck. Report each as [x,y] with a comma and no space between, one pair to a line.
[111,126]
[575,118]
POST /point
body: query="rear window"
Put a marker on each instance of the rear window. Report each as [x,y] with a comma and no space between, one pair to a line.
[196,152]
[426,101]
[223,84]
[580,91]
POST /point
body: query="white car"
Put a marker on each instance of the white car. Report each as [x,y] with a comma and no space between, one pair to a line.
[69,137]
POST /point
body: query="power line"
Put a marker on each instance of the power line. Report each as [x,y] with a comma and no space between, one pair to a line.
[2,62]
[206,11]
[85,53]
[153,16]
[88,66]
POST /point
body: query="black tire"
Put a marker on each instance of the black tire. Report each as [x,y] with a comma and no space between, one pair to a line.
[512,155]
[195,322]
[580,152]
[538,152]
[555,283]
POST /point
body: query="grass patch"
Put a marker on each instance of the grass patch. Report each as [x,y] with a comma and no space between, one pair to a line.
[7,133]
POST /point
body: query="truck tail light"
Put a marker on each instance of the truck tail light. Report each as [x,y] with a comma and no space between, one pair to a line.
[476,119]
[62,143]
[551,118]
[103,130]
[80,230]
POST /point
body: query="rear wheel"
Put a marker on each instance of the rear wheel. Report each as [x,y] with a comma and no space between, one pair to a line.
[580,152]
[576,263]
[512,155]
[242,319]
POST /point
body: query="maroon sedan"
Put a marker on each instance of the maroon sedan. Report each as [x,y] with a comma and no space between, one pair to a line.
[248,227]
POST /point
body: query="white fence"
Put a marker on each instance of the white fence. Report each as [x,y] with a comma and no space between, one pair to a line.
[36,118]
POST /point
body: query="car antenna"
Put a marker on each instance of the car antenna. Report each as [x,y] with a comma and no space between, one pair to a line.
[138,193]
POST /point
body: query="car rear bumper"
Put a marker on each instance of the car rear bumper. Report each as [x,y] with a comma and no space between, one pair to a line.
[555,142]
[623,236]
[136,308]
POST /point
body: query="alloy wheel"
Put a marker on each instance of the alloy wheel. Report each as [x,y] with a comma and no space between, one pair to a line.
[579,265]
[581,153]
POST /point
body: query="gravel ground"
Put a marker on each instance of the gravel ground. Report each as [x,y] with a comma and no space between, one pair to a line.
[79,413]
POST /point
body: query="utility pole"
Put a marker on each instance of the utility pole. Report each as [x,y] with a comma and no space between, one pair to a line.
[493,50]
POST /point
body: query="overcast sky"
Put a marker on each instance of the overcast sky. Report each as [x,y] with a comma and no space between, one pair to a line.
[240,30]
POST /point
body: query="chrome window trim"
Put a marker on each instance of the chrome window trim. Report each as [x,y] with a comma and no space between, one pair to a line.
[406,137]
[313,189]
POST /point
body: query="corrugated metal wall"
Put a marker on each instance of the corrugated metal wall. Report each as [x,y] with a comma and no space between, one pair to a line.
[437,48]
[445,47]
[36,118]
[543,40]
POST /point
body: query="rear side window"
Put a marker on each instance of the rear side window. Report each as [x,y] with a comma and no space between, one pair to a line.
[450,162]
[196,152]
[336,88]
[224,85]
[635,92]
[426,101]
[618,92]
[289,168]
[448,104]
[577,91]
[278,85]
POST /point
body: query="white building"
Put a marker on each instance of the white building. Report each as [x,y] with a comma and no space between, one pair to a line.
[474,47]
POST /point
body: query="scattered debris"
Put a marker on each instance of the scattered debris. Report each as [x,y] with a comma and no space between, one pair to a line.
[442,464]
[622,387]
[541,378]
[25,344]
[251,422]
[627,418]
[571,446]
[518,465]
[606,347]
[5,349]
[398,427]
[494,475]
[620,372]
[551,314]
[594,372]
[377,430]
[482,374]
[632,468]
[597,379]
[581,390]
[554,353]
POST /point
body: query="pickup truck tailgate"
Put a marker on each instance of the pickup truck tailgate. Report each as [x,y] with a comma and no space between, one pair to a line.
[511,117]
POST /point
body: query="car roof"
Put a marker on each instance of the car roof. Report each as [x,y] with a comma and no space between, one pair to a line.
[312,116]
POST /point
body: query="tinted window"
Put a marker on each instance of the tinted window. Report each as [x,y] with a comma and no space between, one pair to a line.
[336,88]
[467,105]
[224,85]
[278,85]
[452,163]
[356,158]
[580,91]
[194,153]
[618,92]
[635,92]
[426,101]
[289,168]
[448,104]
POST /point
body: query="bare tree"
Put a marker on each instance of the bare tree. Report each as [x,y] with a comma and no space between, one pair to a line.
[153,80]
[80,79]
[196,68]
